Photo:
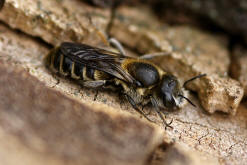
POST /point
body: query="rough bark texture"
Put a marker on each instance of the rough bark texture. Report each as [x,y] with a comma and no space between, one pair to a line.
[49,128]
[179,154]
[39,125]
[55,21]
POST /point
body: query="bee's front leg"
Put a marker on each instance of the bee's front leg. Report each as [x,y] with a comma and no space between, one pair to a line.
[134,105]
[157,110]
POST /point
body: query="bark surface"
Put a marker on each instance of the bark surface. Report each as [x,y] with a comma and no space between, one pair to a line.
[46,119]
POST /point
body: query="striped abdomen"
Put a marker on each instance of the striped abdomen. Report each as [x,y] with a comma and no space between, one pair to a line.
[63,65]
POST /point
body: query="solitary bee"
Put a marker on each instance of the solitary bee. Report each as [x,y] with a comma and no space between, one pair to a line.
[138,79]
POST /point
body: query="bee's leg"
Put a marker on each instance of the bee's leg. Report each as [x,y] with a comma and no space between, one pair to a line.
[96,95]
[143,106]
[157,110]
[94,84]
[164,112]
[132,102]
[54,75]
[152,55]
[115,43]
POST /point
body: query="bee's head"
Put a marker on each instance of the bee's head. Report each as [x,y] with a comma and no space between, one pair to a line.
[170,91]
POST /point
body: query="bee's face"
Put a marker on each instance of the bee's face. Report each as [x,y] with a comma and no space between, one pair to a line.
[169,92]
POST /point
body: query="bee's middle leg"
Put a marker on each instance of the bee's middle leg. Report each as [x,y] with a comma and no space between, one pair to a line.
[149,112]
[96,95]
[94,84]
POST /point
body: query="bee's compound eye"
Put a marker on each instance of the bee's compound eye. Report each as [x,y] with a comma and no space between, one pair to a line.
[172,83]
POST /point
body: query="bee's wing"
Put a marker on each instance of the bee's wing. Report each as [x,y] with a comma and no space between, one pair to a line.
[97,58]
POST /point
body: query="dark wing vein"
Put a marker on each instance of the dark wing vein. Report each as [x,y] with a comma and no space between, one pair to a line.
[96,58]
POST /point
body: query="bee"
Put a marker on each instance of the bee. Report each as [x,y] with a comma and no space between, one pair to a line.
[138,79]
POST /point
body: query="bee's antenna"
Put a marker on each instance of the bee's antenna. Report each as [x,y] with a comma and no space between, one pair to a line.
[187,100]
[186,82]
[193,78]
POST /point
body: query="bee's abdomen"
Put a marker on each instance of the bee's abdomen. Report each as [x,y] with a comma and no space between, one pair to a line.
[78,70]
[63,65]
[67,65]
[90,73]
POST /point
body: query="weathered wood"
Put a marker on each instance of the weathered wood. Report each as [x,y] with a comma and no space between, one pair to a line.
[50,128]
[45,137]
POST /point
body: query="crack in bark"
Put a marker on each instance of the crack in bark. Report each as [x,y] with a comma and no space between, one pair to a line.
[201,125]
[199,139]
